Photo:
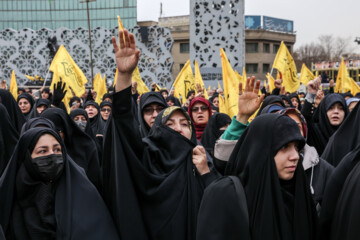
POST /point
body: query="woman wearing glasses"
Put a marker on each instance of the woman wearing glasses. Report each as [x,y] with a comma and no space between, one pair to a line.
[105,110]
[199,111]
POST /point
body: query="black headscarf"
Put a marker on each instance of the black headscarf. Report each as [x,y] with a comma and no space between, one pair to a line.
[30,99]
[295,95]
[212,131]
[41,101]
[278,209]
[145,100]
[162,194]
[174,100]
[66,208]
[107,95]
[320,129]
[37,122]
[345,139]
[16,116]
[272,99]
[80,147]
[341,192]
[8,138]
[80,111]
[97,123]
[73,99]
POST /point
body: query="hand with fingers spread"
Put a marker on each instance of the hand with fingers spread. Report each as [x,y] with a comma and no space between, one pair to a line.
[127,57]
[59,93]
[278,83]
[199,160]
[249,101]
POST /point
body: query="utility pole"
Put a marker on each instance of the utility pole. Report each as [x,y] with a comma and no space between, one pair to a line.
[88,18]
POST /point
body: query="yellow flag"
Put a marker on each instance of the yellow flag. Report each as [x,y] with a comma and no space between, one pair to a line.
[209,88]
[355,88]
[219,87]
[222,108]
[240,78]
[68,95]
[115,78]
[184,82]
[244,75]
[70,73]
[306,75]
[199,80]
[141,87]
[285,63]
[343,81]
[13,85]
[100,88]
[231,85]
[271,82]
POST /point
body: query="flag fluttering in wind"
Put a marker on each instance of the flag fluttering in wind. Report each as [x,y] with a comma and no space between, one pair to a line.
[285,63]
[199,80]
[343,81]
[66,69]
[184,82]
[13,85]
[231,85]
[306,75]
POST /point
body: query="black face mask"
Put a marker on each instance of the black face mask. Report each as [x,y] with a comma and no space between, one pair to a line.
[49,167]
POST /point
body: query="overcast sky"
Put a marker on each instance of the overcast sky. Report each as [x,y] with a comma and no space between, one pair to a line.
[312,18]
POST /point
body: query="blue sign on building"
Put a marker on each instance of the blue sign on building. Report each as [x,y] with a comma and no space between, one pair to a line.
[276,24]
[252,22]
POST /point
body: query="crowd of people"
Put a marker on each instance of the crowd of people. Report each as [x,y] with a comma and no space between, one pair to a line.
[149,167]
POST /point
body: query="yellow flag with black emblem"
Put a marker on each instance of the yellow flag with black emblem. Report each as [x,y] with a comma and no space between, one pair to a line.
[285,63]
[68,71]
[184,82]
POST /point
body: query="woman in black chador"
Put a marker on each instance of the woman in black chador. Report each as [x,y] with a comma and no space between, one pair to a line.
[44,194]
[266,196]
[152,186]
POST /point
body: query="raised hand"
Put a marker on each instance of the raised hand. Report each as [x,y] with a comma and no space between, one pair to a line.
[59,92]
[249,101]
[127,57]
[314,85]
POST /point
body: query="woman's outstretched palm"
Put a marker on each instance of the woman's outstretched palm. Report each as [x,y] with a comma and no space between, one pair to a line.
[249,101]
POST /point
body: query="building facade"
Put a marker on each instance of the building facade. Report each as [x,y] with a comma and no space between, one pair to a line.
[261,43]
[72,14]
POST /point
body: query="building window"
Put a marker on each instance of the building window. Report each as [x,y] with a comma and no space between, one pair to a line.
[184,47]
[251,47]
[266,68]
[182,65]
[251,68]
[288,47]
[276,48]
[266,48]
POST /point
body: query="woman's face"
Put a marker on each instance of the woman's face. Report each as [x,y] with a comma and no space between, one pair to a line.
[46,145]
[45,95]
[91,110]
[200,113]
[41,108]
[179,123]
[216,102]
[150,113]
[286,160]
[24,105]
[170,103]
[336,114]
[295,102]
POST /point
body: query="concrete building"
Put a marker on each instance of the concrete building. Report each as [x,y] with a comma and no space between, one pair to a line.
[72,14]
[260,45]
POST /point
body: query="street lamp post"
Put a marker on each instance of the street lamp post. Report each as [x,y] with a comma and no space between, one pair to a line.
[88,18]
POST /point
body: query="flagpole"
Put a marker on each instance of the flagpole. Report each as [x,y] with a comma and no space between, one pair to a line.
[46,77]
